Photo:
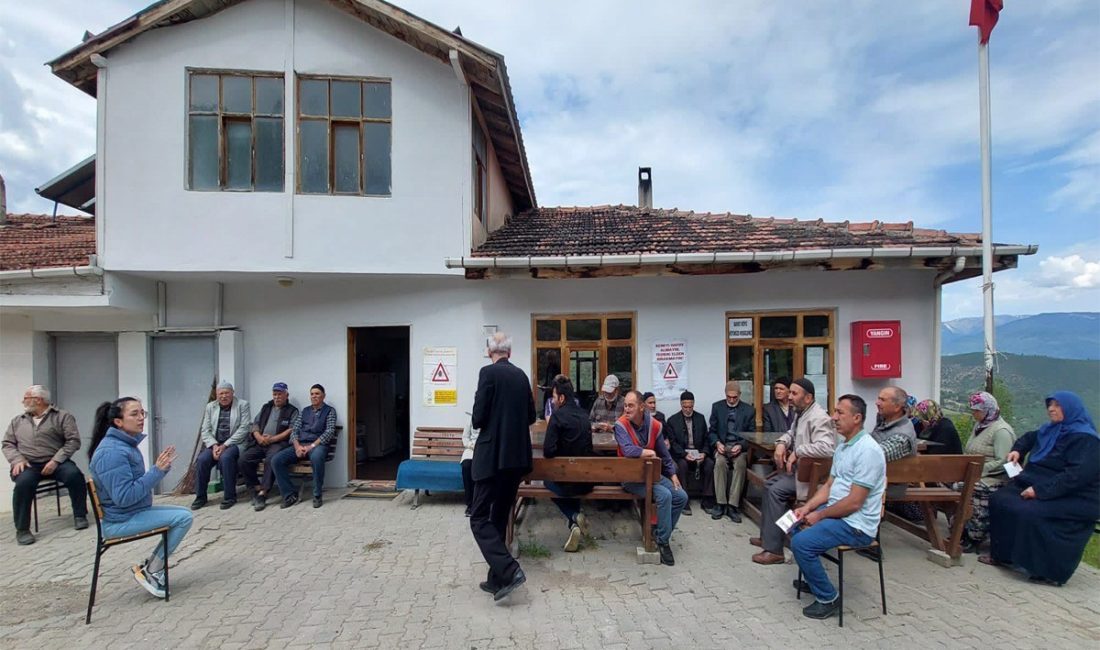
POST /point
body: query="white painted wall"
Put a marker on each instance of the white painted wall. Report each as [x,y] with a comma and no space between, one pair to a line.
[17,366]
[308,344]
[154,223]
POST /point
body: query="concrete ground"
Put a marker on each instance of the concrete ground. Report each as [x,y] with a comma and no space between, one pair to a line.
[362,573]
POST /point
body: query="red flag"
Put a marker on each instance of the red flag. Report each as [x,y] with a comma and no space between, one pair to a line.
[983,15]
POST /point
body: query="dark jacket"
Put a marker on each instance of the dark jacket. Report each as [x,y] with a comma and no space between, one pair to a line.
[569,433]
[286,417]
[676,432]
[504,410]
[719,431]
[943,432]
[774,420]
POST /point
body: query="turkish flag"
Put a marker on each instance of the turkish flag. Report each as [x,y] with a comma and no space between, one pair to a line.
[983,15]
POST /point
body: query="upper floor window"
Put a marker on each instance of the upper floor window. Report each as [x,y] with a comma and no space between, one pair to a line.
[344,129]
[235,131]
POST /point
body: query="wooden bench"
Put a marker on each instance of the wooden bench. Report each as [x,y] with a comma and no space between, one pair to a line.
[593,470]
[433,463]
[301,467]
[922,472]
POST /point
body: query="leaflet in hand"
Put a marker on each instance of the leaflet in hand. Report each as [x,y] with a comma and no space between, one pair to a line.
[1012,469]
[787,521]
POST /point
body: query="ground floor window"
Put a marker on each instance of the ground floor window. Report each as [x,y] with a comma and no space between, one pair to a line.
[584,347]
[763,346]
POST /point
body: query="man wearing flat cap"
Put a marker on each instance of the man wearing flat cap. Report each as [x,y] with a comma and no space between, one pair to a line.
[608,405]
[813,435]
[224,431]
[270,435]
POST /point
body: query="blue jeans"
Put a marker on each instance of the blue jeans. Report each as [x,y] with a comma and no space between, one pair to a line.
[287,457]
[227,463]
[177,518]
[808,543]
[670,502]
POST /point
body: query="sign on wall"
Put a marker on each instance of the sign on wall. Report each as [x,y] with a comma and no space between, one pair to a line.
[440,376]
[740,328]
[669,368]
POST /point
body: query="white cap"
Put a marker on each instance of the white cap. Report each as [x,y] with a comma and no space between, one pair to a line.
[610,383]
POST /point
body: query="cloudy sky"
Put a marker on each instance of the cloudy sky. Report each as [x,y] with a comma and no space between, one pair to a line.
[854,109]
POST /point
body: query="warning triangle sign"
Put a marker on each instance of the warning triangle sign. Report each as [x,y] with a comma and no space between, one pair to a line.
[440,374]
[670,372]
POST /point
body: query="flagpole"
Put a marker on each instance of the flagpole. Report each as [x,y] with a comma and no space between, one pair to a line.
[987,211]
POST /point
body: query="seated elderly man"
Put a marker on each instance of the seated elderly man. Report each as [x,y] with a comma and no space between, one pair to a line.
[38,445]
[894,432]
[639,436]
[689,444]
[312,436]
[812,436]
[608,405]
[847,509]
[224,431]
[729,418]
[270,433]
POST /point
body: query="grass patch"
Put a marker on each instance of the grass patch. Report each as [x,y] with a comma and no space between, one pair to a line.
[532,549]
[1092,552]
[588,542]
[375,545]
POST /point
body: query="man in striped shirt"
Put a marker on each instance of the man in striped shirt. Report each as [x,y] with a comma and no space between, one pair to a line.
[313,436]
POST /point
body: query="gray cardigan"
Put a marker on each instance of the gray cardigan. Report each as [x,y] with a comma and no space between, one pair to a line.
[240,421]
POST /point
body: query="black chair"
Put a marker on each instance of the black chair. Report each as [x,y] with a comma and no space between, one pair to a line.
[104,543]
[45,486]
[873,552]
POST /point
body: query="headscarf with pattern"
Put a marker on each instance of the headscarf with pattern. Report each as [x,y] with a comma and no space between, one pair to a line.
[989,408]
[928,412]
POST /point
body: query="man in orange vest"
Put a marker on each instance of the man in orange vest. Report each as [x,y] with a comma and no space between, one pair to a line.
[639,436]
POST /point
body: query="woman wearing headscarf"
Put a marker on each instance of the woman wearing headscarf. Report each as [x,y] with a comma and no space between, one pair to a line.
[1041,521]
[992,438]
[936,428]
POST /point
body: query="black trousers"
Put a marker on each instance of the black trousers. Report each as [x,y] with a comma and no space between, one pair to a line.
[493,500]
[468,481]
[67,473]
[250,460]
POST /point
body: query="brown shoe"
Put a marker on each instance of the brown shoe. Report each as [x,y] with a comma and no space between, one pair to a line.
[756,541]
[764,557]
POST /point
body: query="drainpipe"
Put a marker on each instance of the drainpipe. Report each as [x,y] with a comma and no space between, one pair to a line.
[937,309]
[3,201]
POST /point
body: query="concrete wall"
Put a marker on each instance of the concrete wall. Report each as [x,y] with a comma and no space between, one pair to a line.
[17,366]
[144,167]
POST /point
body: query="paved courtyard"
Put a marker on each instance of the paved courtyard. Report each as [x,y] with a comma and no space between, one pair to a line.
[363,573]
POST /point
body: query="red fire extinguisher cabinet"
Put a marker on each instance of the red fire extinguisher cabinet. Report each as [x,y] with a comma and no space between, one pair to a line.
[876,349]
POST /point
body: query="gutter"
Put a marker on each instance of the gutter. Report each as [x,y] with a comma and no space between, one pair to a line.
[52,272]
[730,257]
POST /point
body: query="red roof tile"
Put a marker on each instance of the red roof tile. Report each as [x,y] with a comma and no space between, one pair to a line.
[628,230]
[41,241]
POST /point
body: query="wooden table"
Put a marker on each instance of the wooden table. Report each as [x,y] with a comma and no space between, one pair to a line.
[601,442]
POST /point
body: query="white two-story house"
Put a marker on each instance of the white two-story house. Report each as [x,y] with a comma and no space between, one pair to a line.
[338,193]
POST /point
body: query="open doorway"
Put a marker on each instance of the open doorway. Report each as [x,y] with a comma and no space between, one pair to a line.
[378,369]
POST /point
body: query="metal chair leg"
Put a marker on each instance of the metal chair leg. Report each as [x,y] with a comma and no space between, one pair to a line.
[798,596]
[416,499]
[34,509]
[840,579]
[57,494]
[881,580]
[95,581]
[167,590]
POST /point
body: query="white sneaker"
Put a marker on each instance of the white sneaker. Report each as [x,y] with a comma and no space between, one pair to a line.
[582,521]
[152,582]
[574,541]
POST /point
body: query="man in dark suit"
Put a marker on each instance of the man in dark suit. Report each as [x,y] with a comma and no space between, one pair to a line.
[504,410]
[779,414]
[729,418]
[686,431]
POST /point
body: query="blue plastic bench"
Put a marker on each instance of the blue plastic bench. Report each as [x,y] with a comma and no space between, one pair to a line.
[433,463]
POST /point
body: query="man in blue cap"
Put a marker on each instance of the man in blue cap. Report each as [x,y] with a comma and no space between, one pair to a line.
[270,432]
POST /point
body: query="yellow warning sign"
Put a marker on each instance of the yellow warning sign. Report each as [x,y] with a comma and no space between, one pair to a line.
[446,397]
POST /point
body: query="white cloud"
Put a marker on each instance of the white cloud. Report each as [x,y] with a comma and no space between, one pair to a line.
[1072,271]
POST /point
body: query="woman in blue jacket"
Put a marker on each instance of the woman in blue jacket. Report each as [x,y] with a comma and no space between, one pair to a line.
[126,489]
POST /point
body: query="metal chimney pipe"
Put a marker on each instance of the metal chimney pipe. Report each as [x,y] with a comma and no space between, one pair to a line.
[645,188]
[3,201]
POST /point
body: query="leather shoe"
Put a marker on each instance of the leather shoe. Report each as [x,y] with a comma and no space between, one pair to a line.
[518,578]
[24,537]
[80,523]
[717,512]
[765,557]
[733,514]
[801,585]
[820,610]
[199,502]
[756,541]
[227,504]
[486,587]
[667,558]
[687,509]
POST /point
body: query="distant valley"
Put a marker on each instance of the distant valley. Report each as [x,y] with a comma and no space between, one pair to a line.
[1066,335]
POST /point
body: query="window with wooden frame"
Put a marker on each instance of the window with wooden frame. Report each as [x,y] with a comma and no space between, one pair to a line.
[235,131]
[764,346]
[344,136]
[586,348]
[481,174]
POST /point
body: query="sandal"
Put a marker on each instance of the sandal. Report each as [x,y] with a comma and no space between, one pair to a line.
[1043,581]
[988,559]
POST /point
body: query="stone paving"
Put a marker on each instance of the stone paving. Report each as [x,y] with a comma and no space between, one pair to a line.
[364,573]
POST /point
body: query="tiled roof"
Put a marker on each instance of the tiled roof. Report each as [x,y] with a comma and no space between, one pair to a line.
[627,230]
[41,241]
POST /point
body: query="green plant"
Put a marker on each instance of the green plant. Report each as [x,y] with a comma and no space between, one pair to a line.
[1092,552]
[532,549]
